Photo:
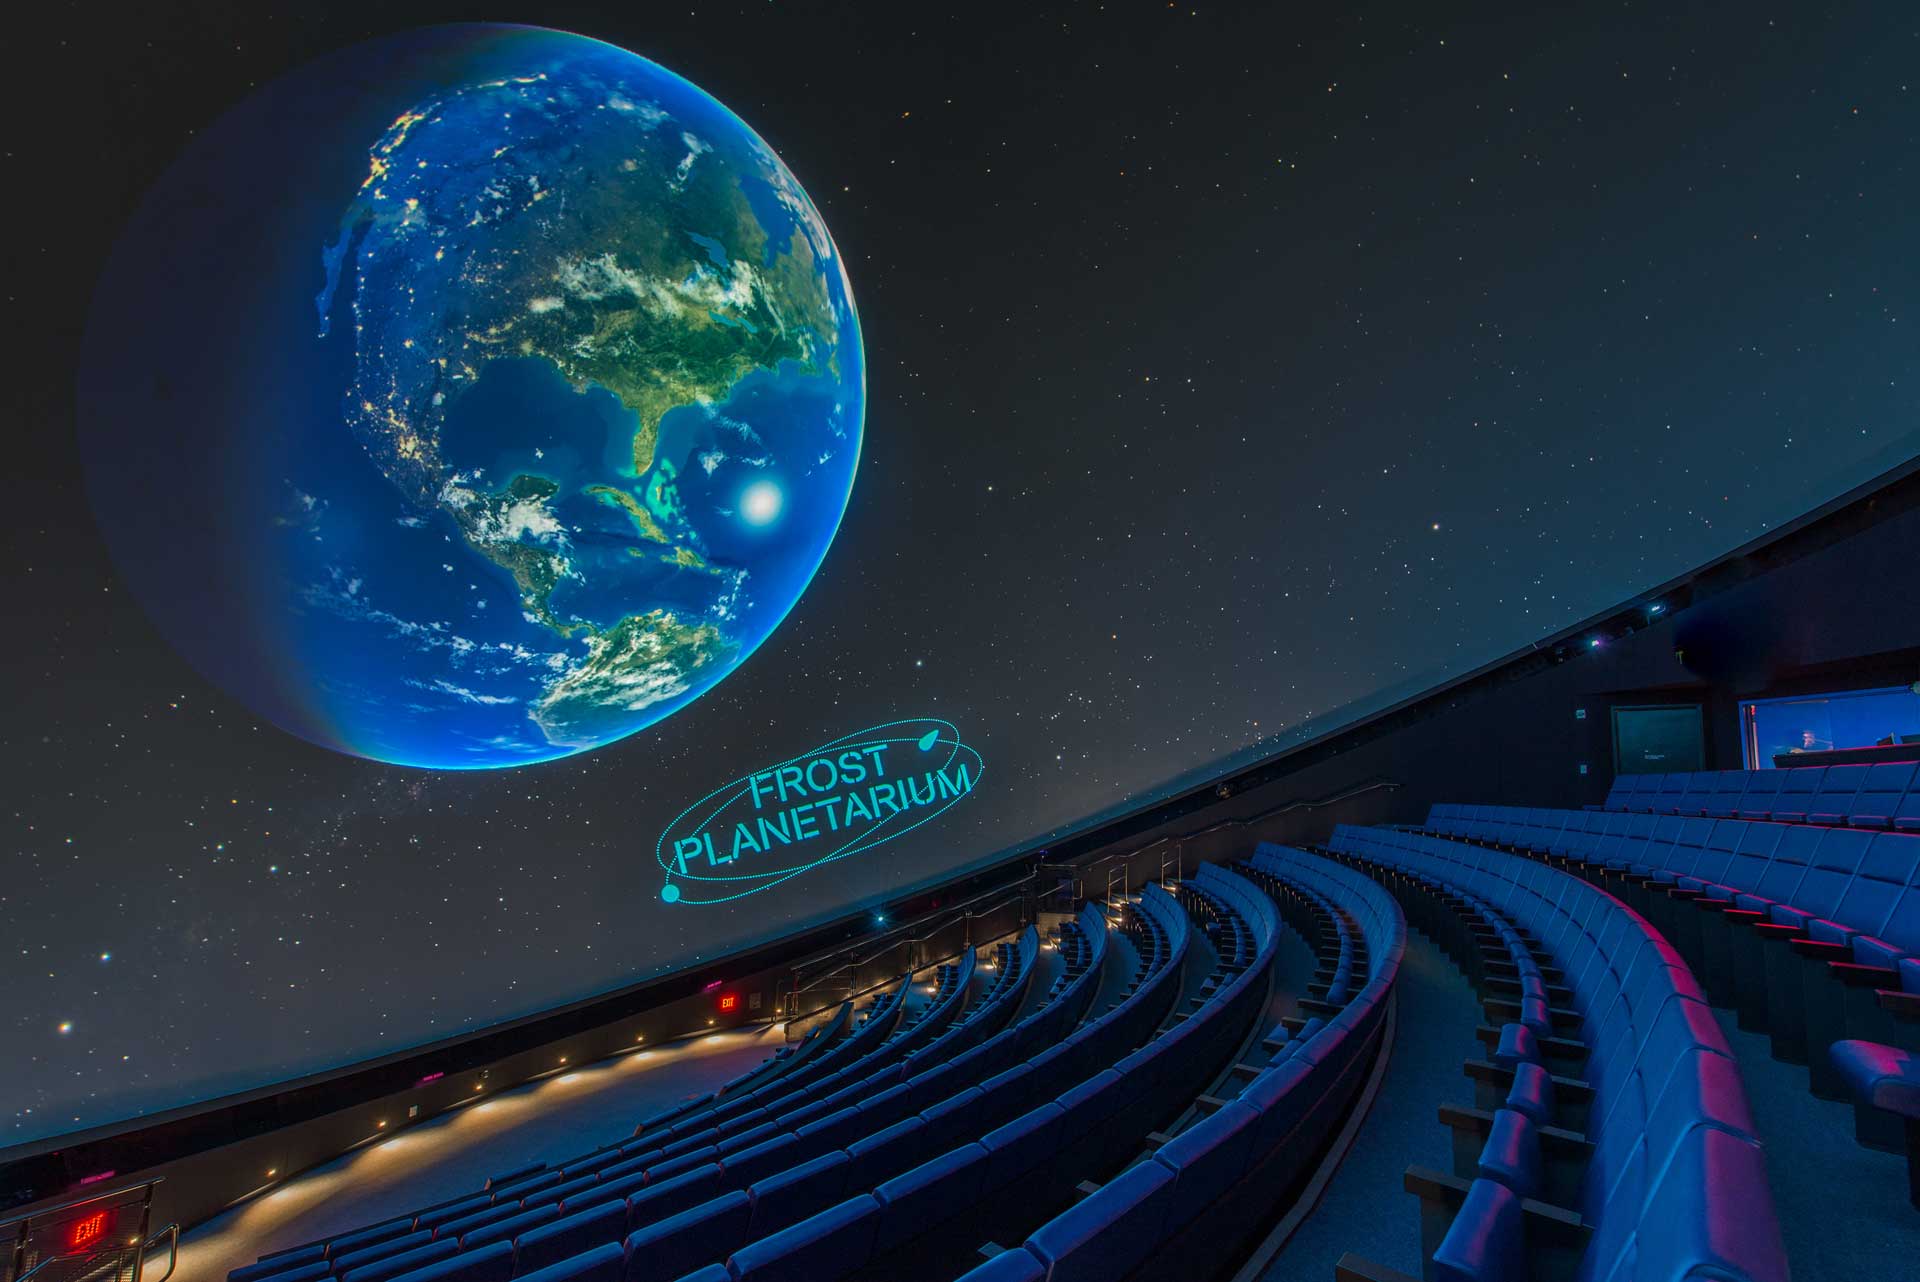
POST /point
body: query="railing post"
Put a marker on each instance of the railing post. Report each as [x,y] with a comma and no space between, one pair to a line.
[146,1228]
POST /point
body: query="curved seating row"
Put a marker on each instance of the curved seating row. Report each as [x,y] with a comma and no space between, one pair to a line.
[1887,1078]
[673,1204]
[947,1001]
[787,1059]
[1676,1186]
[528,1198]
[868,1211]
[1174,1214]
[1527,1131]
[1886,795]
[1796,927]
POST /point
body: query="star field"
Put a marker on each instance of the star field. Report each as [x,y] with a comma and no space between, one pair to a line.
[1228,368]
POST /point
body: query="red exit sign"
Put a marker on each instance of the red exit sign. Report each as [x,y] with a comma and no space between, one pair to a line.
[729,1002]
[88,1231]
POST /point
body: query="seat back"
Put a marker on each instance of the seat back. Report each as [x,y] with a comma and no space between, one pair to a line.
[1762,791]
[1719,850]
[1880,795]
[1698,792]
[1621,790]
[1749,862]
[1833,801]
[1797,791]
[1831,869]
[1729,786]
[1791,858]
[1892,855]
[1872,898]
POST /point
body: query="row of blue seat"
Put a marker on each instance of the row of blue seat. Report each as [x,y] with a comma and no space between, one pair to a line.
[1863,796]
[782,1181]
[741,1140]
[1527,1131]
[1793,926]
[790,1057]
[1176,1212]
[870,1219]
[626,1175]
[1676,1185]
[629,1178]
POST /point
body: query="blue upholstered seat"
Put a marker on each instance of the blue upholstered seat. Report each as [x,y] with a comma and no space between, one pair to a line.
[606,1263]
[369,1252]
[672,1196]
[1078,1246]
[711,1273]
[510,1228]
[1208,1158]
[1518,1045]
[1531,1093]
[1713,1236]
[570,1235]
[378,1233]
[393,1266]
[298,1257]
[680,1163]
[1483,1244]
[1883,1076]
[707,1233]
[921,1198]
[310,1271]
[746,1165]
[1511,1153]
[1762,790]
[798,1192]
[827,1245]
[1878,801]
[1833,801]
[493,1263]
[1008,1266]
[873,1157]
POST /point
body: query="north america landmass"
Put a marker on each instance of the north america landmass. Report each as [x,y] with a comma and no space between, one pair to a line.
[568,217]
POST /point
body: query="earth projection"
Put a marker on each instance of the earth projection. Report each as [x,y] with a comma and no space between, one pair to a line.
[472,397]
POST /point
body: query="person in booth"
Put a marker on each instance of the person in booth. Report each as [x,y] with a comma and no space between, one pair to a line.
[1810,742]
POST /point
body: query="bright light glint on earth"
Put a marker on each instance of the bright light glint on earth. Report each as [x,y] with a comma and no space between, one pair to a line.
[760,503]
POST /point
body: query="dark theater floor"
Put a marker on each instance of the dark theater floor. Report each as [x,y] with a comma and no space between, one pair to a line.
[455,1153]
[1814,1165]
[1363,1208]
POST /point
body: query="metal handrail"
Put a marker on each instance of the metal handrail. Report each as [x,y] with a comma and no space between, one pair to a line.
[43,1212]
[1246,820]
[946,917]
[172,1234]
[91,1264]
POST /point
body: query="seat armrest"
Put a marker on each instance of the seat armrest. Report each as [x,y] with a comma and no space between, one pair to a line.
[1352,1268]
[1430,1185]
[1776,930]
[1899,1002]
[1740,914]
[1819,948]
[1479,1121]
[1854,975]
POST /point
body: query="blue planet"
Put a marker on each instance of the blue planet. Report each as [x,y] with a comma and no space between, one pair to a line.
[472,397]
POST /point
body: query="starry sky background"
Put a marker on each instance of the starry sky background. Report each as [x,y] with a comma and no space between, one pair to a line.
[1227,366]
